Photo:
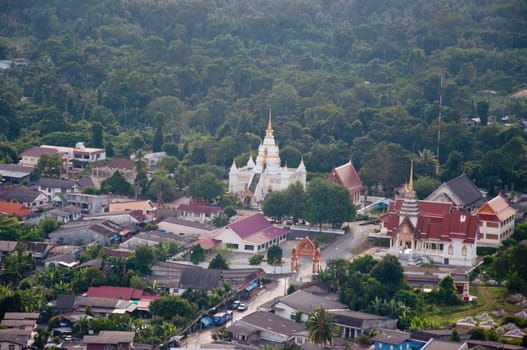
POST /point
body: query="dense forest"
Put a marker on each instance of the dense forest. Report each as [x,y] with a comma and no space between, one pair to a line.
[344,79]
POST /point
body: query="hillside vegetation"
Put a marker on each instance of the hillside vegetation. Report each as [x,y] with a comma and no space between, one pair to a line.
[345,79]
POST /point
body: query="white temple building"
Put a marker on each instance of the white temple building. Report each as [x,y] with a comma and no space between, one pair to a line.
[255,180]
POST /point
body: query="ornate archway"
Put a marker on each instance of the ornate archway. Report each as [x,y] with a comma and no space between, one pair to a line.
[306,247]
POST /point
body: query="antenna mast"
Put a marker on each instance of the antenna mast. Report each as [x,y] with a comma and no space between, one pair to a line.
[441,87]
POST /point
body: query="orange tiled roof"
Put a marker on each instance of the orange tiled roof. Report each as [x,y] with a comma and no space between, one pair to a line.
[8,208]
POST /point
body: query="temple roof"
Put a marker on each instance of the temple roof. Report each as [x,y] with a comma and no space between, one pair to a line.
[347,176]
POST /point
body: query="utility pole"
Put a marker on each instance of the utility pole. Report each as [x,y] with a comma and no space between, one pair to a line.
[441,88]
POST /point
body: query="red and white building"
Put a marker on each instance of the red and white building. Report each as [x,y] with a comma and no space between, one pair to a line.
[253,234]
[346,175]
[431,231]
[496,222]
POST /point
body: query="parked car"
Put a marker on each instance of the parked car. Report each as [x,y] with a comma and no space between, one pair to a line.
[235,304]
[242,307]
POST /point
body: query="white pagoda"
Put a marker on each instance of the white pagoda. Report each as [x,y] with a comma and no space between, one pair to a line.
[255,180]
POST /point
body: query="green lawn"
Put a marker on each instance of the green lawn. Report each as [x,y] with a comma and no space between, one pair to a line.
[489,299]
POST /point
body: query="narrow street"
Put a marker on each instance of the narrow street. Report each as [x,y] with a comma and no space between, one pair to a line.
[272,291]
[343,247]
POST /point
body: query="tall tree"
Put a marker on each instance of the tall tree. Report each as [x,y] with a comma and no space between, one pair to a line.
[321,327]
[159,139]
[97,135]
[327,202]
[206,186]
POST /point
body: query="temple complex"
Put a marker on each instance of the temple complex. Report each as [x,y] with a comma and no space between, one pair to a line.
[256,179]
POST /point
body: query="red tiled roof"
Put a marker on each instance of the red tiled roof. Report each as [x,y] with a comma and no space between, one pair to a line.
[117,253]
[38,151]
[250,225]
[199,208]
[108,292]
[208,243]
[118,163]
[347,176]
[8,208]
[436,221]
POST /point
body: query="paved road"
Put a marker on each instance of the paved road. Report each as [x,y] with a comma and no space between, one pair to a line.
[347,246]
[265,294]
[343,247]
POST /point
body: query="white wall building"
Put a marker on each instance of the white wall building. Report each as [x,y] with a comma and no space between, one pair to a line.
[256,179]
[496,222]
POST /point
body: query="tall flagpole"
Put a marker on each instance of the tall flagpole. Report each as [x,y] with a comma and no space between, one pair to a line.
[441,87]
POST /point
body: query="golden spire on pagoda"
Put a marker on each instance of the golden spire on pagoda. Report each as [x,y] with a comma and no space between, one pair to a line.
[270,125]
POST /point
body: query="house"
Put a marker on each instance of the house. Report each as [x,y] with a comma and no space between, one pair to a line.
[123,293]
[52,187]
[86,232]
[151,158]
[355,323]
[153,238]
[104,306]
[389,339]
[15,173]
[253,234]
[146,208]
[106,340]
[62,215]
[89,203]
[178,226]
[14,209]
[175,278]
[124,166]
[64,260]
[79,154]
[267,327]
[196,212]
[7,247]
[304,302]
[88,182]
[436,232]
[20,320]
[39,250]
[434,344]
[346,175]
[496,222]
[15,339]
[124,218]
[64,304]
[460,192]
[31,199]
[31,156]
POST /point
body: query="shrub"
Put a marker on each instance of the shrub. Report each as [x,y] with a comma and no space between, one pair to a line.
[364,339]
[256,259]
[477,333]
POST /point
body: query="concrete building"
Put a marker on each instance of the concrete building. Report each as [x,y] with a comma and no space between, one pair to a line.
[253,234]
[496,222]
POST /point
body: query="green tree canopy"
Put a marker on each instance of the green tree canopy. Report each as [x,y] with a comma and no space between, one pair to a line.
[274,255]
[218,263]
[327,202]
[321,327]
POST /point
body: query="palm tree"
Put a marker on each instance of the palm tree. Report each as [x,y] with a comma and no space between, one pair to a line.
[321,327]
[426,162]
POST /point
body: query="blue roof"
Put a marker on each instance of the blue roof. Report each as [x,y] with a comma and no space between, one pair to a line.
[206,320]
[251,286]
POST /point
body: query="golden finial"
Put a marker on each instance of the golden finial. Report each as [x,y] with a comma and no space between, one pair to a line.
[270,125]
